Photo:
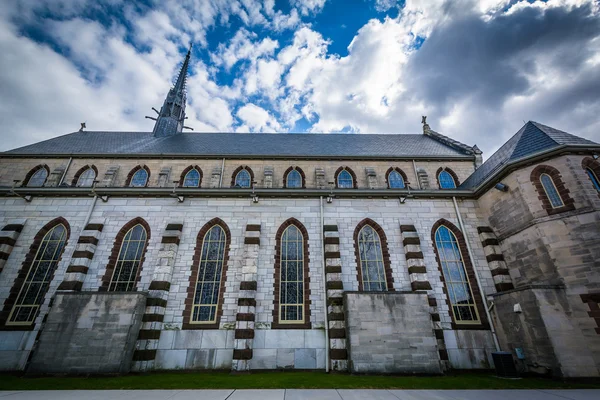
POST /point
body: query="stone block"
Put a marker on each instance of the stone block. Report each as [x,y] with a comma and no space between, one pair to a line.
[170,359]
[305,359]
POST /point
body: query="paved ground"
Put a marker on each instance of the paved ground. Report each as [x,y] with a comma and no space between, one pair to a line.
[299,394]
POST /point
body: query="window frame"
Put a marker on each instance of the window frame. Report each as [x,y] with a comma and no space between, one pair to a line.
[300,173]
[132,174]
[399,172]
[82,171]
[559,185]
[185,173]
[237,171]
[350,172]
[33,172]
[547,190]
[389,279]
[451,173]
[592,165]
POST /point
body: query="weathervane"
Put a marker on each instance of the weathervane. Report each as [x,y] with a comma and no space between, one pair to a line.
[424,119]
[82,126]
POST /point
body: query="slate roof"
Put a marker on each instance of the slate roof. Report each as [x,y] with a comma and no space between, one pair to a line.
[243,144]
[531,139]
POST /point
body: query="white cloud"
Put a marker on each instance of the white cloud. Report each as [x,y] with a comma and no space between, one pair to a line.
[307,7]
[257,119]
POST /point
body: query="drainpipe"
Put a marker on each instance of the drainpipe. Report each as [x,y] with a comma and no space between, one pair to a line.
[487,311]
[324,285]
[62,178]
[89,214]
[416,174]
[222,170]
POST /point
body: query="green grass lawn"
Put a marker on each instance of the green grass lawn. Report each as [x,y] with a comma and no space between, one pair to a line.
[281,380]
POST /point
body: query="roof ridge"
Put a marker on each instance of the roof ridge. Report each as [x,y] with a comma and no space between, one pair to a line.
[449,141]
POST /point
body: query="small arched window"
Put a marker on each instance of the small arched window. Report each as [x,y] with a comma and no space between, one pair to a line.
[294,179]
[395,180]
[86,178]
[192,178]
[129,260]
[139,178]
[593,178]
[551,192]
[242,179]
[207,290]
[446,180]
[345,180]
[458,287]
[371,260]
[38,178]
[39,274]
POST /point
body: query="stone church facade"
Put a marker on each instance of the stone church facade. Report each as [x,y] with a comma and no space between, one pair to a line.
[165,250]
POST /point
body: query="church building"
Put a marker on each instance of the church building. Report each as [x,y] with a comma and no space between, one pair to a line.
[370,253]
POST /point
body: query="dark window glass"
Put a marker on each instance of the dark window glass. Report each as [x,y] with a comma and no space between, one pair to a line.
[371,260]
[294,179]
[129,260]
[242,179]
[38,178]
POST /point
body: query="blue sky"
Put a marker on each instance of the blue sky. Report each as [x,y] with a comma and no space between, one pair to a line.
[477,68]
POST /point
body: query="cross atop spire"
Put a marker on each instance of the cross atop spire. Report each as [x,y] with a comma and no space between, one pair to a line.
[172,114]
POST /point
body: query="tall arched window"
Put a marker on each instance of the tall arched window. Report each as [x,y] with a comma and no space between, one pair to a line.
[124,269]
[293,178]
[291,276]
[452,264]
[191,178]
[138,177]
[345,178]
[446,180]
[86,178]
[551,192]
[396,178]
[591,167]
[371,260]
[38,270]
[243,179]
[593,178]
[37,176]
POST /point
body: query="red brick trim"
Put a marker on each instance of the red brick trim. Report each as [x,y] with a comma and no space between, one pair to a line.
[276,286]
[33,171]
[81,171]
[188,169]
[114,255]
[189,301]
[448,170]
[290,169]
[238,169]
[594,165]
[462,245]
[340,169]
[384,249]
[25,266]
[593,301]
[387,174]
[133,171]
[563,192]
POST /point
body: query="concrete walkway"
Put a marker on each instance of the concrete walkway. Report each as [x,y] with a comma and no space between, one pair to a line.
[300,394]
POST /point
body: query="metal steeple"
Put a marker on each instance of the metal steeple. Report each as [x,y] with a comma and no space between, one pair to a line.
[172,114]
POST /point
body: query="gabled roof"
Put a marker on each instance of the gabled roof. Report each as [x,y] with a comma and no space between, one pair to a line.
[304,145]
[533,138]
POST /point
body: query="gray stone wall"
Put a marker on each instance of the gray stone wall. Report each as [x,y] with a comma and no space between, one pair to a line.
[390,333]
[89,333]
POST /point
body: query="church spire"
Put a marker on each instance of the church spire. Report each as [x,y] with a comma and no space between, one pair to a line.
[172,114]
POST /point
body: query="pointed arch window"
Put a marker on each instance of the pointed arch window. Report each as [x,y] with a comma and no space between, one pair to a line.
[129,260]
[446,180]
[39,273]
[591,167]
[551,189]
[293,178]
[37,177]
[370,253]
[139,178]
[458,287]
[345,179]
[86,178]
[243,179]
[551,192]
[593,178]
[192,178]
[396,179]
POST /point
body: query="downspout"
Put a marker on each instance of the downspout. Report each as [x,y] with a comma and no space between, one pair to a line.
[416,174]
[89,214]
[62,178]
[487,311]
[222,170]
[324,284]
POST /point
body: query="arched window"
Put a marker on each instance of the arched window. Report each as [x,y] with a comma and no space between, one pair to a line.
[86,178]
[124,271]
[551,191]
[293,178]
[593,178]
[291,276]
[446,180]
[37,176]
[38,271]
[371,260]
[345,178]
[591,167]
[455,275]
[396,178]
[243,179]
[139,178]
[191,178]
[207,281]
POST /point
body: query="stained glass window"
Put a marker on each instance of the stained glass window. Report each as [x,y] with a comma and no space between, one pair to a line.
[38,178]
[395,180]
[140,178]
[192,178]
[86,179]
[344,180]
[242,179]
[208,283]
[457,282]
[129,260]
[594,178]
[291,294]
[34,288]
[294,179]
[371,260]
[551,191]
[446,180]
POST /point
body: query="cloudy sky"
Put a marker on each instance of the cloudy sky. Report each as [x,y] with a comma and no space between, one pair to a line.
[477,69]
